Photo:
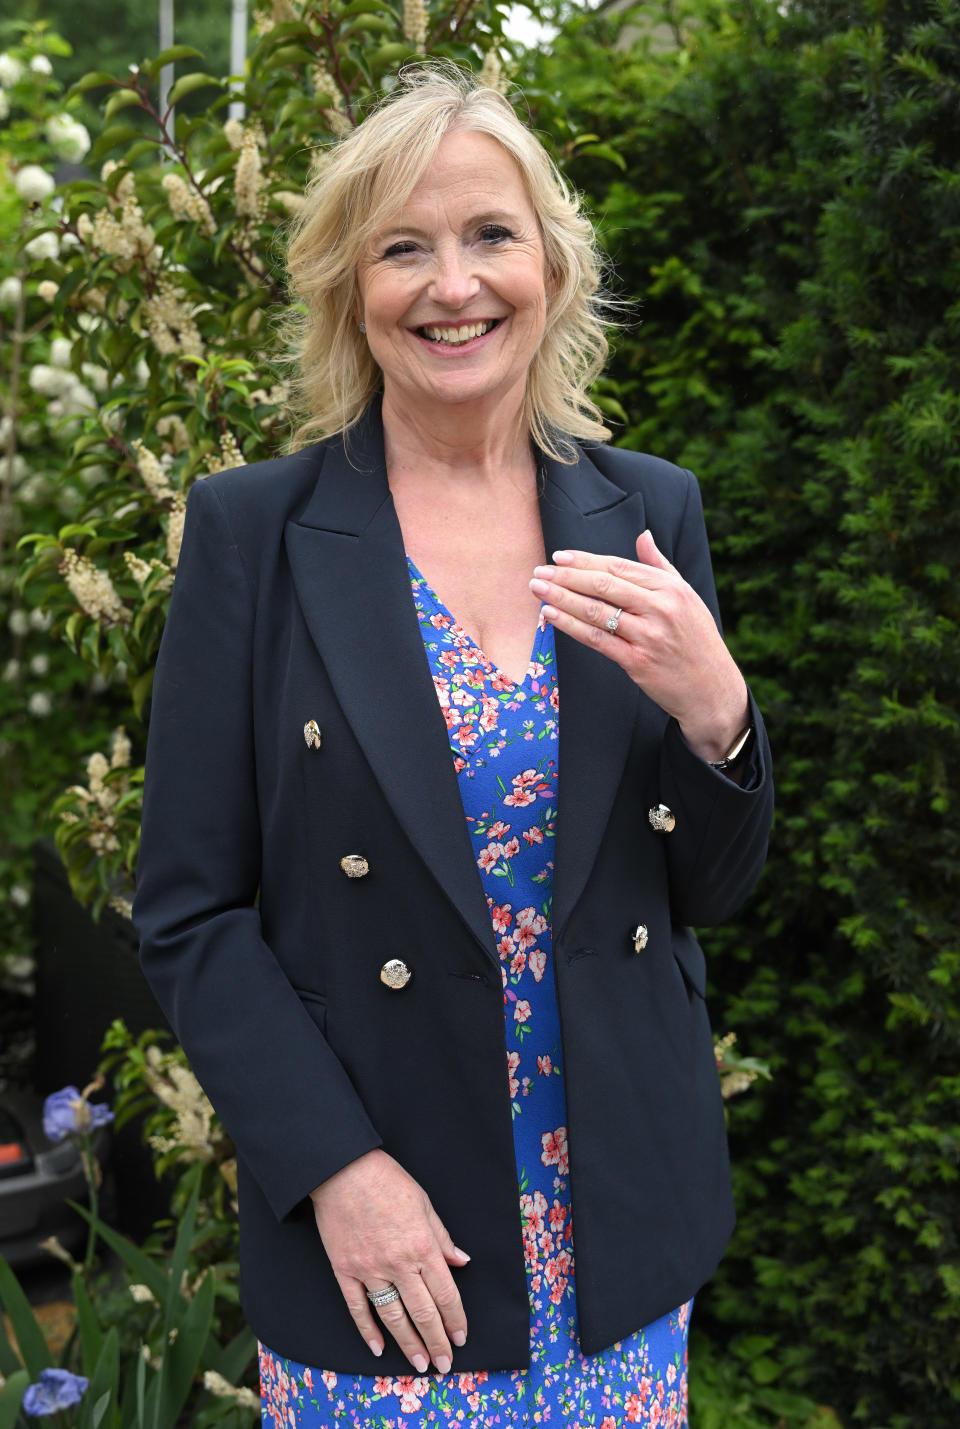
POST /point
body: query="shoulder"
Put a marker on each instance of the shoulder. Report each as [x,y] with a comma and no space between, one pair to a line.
[666,489]
[264,493]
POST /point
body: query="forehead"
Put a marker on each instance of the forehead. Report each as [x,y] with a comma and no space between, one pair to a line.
[469,166]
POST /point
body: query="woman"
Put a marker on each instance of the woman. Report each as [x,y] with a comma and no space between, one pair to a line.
[420,801]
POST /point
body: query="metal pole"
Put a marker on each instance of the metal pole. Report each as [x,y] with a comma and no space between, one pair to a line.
[238,54]
[165,26]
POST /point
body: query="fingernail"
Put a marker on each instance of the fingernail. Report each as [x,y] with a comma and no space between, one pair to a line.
[376,1348]
[539,587]
[549,612]
[546,573]
[420,1363]
[563,558]
[443,1364]
[459,1337]
[461,1252]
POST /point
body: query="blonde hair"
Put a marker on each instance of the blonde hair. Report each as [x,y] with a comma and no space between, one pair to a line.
[355,188]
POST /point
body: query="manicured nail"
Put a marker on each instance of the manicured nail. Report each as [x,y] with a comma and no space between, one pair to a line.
[420,1363]
[443,1364]
[459,1337]
[461,1252]
[549,612]
[539,587]
[563,558]
[376,1347]
[546,573]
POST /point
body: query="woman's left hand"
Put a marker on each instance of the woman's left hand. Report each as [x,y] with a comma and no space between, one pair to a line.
[666,638]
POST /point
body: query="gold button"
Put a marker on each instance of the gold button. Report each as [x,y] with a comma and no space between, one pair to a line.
[395,973]
[640,936]
[662,819]
[311,734]
[355,865]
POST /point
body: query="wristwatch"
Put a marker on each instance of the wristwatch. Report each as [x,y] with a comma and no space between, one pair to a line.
[740,744]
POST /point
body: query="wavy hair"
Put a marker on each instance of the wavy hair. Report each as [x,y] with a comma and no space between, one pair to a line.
[356,186]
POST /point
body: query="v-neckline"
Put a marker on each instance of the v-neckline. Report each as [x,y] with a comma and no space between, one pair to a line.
[538,633]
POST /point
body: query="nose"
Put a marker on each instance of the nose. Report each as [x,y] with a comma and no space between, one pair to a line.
[454,281]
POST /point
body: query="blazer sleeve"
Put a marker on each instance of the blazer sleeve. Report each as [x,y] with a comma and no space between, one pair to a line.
[718,847]
[280,1091]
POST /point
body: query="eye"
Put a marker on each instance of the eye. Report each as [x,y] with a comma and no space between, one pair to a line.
[399,250]
[494,233]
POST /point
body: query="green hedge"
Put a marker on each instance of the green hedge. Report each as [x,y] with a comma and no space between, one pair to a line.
[781,192]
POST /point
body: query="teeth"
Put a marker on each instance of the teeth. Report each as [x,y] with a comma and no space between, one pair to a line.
[456,335]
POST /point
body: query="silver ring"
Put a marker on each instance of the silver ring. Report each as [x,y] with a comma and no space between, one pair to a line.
[386,1296]
[613,622]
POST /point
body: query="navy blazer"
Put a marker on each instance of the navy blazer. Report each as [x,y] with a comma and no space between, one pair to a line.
[292,602]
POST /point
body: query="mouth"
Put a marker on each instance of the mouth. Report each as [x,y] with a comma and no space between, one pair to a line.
[458,336]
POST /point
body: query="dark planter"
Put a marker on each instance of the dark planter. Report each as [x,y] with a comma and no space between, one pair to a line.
[88,975]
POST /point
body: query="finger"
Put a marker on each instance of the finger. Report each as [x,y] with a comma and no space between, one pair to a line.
[442,1289]
[425,1316]
[395,1318]
[361,1311]
[592,611]
[648,554]
[445,1240]
[639,574]
[605,591]
[622,652]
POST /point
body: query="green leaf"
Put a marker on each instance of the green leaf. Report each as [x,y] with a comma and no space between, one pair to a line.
[33,1347]
[95,80]
[91,1338]
[182,1358]
[170,56]
[122,99]
[11,1396]
[103,1383]
[189,83]
[142,1269]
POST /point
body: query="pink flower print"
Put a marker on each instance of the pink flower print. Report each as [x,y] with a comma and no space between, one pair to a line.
[656,1412]
[538,964]
[671,1373]
[530,918]
[684,1314]
[544,1064]
[520,798]
[517,963]
[308,1378]
[533,836]
[292,1417]
[440,622]
[505,947]
[633,1407]
[502,916]
[466,736]
[559,1286]
[294,1389]
[608,1422]
[646,1384]
[329,1378]
[522,1010]
[554,1151]
[449,658]
[474,1401]
[489,856]
[490,716]
[524,938]
[555,698]
[459,763]
[461,696]
[558,1215]
[465,1383]
[383,1384]
[513,1062]
[511,849]
[546,1243]
[451,717]
[500,681]
[497,830]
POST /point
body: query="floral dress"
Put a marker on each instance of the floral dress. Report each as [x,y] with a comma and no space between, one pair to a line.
[503,739]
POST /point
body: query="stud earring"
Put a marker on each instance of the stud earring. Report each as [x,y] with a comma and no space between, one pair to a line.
[362,326]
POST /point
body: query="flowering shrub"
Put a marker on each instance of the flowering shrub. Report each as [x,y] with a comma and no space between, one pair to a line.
[51,705]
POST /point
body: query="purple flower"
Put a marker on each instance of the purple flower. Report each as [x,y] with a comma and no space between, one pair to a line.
[66,1113]
[56,1389]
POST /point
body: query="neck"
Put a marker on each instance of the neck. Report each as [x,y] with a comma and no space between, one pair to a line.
[452,445]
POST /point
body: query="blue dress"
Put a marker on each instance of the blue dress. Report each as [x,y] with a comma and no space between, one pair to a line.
[503,740]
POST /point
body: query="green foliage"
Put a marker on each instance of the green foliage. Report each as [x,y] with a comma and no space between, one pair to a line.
[787,214]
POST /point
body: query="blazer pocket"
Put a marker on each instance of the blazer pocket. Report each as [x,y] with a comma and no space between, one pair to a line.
[690,960]
[316,1005]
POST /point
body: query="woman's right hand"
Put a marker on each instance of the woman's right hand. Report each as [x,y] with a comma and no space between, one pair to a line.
[379,1228]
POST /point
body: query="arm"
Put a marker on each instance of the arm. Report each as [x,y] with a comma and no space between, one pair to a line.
[282,1094]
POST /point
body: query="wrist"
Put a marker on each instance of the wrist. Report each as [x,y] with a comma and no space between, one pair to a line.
[713,738]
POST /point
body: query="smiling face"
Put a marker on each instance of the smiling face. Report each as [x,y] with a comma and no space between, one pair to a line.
[452,288]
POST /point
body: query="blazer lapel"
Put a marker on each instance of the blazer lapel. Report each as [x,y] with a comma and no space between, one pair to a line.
[350,573]
[351,577]
[582,510]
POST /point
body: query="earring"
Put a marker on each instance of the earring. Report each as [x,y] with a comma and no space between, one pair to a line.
[362,326]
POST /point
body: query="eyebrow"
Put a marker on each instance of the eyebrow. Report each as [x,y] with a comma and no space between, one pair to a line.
[497,215]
